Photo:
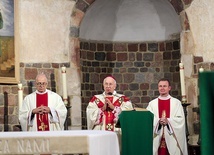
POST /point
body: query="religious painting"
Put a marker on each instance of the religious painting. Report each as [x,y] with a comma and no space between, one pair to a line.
[8,61]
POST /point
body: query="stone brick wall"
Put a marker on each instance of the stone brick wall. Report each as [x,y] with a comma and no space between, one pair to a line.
[8,107]
[137,67]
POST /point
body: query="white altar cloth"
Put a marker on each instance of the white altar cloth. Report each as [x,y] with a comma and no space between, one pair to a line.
[93,142]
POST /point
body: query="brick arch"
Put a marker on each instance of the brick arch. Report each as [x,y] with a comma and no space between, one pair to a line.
[178,5]
[83,5]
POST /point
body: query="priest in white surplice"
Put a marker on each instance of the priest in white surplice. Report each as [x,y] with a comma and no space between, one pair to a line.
[42,110]
[169,123]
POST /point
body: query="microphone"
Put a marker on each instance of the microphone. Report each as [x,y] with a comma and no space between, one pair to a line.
[110,93]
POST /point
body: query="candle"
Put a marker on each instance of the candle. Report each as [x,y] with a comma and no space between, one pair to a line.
[183,93]
[20,95]
[64,85]
[201,69]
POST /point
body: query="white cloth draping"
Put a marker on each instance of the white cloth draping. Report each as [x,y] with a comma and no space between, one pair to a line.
[56,118]
[60,142]
[175,135]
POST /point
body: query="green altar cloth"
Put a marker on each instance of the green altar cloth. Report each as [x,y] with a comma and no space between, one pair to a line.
[137,132]
[206,90]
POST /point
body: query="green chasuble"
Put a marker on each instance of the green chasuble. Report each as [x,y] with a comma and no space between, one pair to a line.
[137,132]
[206,89]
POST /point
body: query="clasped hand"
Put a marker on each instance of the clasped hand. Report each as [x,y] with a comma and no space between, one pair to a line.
[41,110]
[163,121]
[107,104]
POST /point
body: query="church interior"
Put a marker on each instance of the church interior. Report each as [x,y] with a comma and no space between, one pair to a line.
[138,42]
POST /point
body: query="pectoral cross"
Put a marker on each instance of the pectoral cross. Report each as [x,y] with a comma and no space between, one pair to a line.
[164,114]
[43,126]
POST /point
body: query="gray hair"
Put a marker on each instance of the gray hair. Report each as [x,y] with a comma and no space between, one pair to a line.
[42,75]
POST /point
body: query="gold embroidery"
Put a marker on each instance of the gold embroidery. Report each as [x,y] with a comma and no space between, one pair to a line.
[97,101]
[41,119]
[163,142]
[43,126]
[121,100]
[109,126]
[164,114]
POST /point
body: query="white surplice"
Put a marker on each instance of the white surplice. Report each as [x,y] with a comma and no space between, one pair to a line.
[56,118]
[175,133]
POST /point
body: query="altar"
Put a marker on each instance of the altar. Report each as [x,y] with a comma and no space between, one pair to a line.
[60,142]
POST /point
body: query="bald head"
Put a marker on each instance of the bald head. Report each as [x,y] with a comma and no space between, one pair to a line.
[109,84]
[109,78]
[41,76]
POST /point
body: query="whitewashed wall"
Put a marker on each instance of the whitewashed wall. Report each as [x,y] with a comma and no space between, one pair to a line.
[43,28]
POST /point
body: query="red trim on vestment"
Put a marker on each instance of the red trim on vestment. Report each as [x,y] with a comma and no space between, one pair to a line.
[42,119]
[164,105]
[164,111]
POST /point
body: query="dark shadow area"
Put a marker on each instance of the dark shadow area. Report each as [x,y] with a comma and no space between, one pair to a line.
[6,128]
[30,87]
[52,83]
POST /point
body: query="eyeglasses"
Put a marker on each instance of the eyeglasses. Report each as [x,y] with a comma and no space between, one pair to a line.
[41,83]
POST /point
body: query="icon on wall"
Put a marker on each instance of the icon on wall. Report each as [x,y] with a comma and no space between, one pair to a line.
[7,42]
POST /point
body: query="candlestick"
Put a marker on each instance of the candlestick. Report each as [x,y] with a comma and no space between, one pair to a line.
[201,69]
[64,85]
[183,92]
[20,95]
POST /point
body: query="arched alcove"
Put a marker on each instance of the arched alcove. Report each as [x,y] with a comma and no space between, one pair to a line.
[124,20]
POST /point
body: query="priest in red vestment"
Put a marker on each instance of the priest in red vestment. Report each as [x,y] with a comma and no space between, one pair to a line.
[103,109]
[42,110]
[169,123]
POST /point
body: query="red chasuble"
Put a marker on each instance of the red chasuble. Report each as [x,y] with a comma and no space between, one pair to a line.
[42,119]
[109,116]
[109,124]
[164,111]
